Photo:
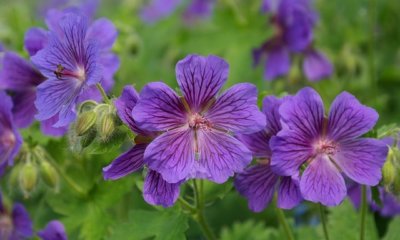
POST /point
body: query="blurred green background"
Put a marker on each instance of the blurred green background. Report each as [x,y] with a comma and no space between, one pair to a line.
[361,38]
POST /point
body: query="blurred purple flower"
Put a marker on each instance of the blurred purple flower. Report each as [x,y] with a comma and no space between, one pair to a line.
[196,141]
[258,183]
[390,203]
[156,190]
[21,78]
[329,146]
[294,21]
[10,139]
[87,7]
[53,231]
[156,10]
[16,225]
[74,57]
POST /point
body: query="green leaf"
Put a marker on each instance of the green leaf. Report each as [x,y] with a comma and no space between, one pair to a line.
[214,191]
[249,230]
[168,224]
[344,223]
[393,231]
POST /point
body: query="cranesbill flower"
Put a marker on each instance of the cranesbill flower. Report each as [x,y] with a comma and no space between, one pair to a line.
[156,190]
[197,128]
[20,77]
[14,225]
[159,9]
[54,230]
[88,7]
[294,21]
[327,147]
[258,182]
[10,139]
[71,63]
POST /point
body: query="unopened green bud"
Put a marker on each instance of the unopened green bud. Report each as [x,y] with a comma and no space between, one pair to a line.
[388,170]
[106,126]
[28,177]
[49,174]
[85,122]
[14,176]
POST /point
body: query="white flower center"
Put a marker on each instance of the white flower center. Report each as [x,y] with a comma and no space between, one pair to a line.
[196,121]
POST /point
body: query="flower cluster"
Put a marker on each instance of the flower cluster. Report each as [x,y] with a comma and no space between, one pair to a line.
[293,21]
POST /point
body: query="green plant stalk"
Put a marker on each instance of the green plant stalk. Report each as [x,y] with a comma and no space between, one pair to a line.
[323,221]
[103,93]
[363,211]
[284,223]
[199,216]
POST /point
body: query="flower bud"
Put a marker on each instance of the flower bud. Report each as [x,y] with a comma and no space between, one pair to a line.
[85,122]
[388,170]
[49,174]
[88,138]
[28,177]
[14,176]
[106,126]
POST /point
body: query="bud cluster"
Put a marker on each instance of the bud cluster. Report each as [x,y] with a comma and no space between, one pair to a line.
[391,168]
[34,166]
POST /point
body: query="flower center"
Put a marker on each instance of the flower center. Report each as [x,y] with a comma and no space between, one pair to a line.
[79,73]
[326,147]
[8,139]
[6,226]
[196,121]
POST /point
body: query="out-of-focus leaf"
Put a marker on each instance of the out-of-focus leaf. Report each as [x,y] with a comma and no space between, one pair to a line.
[393,231]
[250,230]
[214,191]
[167,224]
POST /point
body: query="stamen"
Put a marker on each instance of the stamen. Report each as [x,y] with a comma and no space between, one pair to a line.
[63,72]
[196,121]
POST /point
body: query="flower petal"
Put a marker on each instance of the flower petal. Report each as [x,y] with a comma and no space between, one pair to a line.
[362,160]
[127,163]
[277,64]
[236,110]
[18,74]
[157,191]
[104,31]
[304,114]
[322,182]
[270,108]
[220,156]
[54,231]
[257,184]
[289,152]
[201,78]
[21,221]
[257,143]
[57,97]
[159,108]
[125,105]
[349,119]
[158,9]
[289,195]
[198,9]
[24,109]
[35,40]
[172,154]
[316,66]
[47,127]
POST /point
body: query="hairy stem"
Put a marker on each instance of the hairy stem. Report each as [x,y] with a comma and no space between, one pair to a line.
[199,216]
[363,211]
[323,221]
[103,93]
[283,222]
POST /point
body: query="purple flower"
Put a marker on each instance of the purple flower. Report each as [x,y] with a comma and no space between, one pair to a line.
[196,139]
[14,225]
[74,58]
[53,231]
[21,78]
[390,203]
[258,183]
[327,146]
[156,190]
[88,7]
[10,139]
[294,21]
[160,9]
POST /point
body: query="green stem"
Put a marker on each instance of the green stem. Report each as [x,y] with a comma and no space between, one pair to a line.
[363,211]
[323,220]
[186,205]
[103,93]
[284,223]
[199,216]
